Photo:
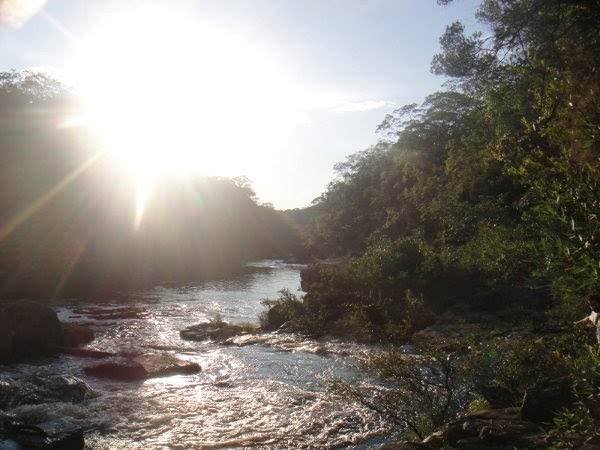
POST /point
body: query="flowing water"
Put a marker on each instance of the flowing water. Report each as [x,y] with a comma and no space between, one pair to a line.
[272,394]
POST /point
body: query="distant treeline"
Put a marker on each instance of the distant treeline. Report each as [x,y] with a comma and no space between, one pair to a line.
[68,208]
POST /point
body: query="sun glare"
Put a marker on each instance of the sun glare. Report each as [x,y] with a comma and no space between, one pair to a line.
[168,94]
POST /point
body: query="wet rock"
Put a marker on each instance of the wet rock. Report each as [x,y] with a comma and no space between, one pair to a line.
[85,352]
[40,389]
[52,435]
[164,365]
[118,370]
[143,367]
[74,335]
[14,393]
[70,389]
[28,329]
[291,326]
[210,330]
[248,339]
[547,398]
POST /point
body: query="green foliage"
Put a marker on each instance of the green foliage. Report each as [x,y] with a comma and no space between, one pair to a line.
[518,363]
[285,308]
[582,422]
[487,193]
[417,393]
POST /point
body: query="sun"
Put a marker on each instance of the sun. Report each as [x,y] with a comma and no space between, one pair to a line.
[169,94]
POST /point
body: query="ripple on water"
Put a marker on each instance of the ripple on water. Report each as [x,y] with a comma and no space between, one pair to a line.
[270,392]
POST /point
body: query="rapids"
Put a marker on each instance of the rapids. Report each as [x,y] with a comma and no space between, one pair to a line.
[268,392]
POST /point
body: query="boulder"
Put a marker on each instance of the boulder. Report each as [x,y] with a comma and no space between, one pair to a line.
[28,329]
[547,398]
[127,370]
[74,335]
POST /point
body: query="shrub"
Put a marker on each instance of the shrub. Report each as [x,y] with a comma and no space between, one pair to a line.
[287,307]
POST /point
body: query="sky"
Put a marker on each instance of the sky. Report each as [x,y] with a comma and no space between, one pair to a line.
[275,90]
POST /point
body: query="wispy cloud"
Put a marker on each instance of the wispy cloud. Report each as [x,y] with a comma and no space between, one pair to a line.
[14,13]
[361,106]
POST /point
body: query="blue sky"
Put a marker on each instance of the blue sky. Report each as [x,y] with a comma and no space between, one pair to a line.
[336,67]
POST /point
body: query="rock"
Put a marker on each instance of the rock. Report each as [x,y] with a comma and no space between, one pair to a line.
[74,335]
[164,365]
[39,389]
[28,329]
[143,367]
[547,398]
[127,370]
[56,434]
[71,389]
[247,339]
[210,330]
[14,393]
[277,316]
[291,326]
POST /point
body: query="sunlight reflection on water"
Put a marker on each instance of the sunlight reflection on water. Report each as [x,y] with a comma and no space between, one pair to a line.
[271,394]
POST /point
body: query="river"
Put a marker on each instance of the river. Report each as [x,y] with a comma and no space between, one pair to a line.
[267,395]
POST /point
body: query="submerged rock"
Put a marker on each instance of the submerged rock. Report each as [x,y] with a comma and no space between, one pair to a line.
[28,329]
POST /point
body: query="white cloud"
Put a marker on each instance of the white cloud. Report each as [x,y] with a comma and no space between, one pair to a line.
[361,106]
[15,13]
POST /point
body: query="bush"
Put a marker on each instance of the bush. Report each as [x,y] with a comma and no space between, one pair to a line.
[287,307]
[582,422]
[416,393]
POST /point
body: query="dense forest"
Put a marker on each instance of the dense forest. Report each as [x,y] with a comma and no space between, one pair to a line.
[68,208]
[488,192]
